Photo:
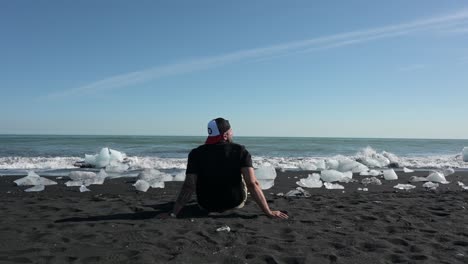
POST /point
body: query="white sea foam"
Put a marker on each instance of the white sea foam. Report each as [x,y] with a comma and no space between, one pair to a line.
[133,163]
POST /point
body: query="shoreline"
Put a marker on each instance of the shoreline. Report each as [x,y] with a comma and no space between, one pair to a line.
[114,223]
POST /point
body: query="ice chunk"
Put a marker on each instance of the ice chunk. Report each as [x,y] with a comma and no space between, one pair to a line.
[333,175]
[465,154]
[312,181]
[307,166]
[390,175]
[448,171]
[372,180]
[266,176]
[298,192]
[33,179]
[35,188]
[347,164]
[391,157]
[224,228]
[154,178]
[84,189]
[107,157]
[430,185]
[320,165]
[332,164]
[363,189]
[404,186]
[371,158]
[461,184]
[406,170]
[179,176]
[371,173]
[86,178]
[417,179]
[333,186]
[436,176]
[141,185]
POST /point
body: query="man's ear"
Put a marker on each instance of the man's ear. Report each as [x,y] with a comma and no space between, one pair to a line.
[225,135]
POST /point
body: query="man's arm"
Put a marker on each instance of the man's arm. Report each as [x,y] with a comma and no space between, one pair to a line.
[254,188]
[185,193]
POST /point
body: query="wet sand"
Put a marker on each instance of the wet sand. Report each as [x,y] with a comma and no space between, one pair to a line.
[116,224]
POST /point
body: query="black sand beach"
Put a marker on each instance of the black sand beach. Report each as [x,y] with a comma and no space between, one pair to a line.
[116,224]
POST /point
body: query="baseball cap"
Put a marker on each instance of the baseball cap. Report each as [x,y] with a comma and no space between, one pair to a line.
[216,128]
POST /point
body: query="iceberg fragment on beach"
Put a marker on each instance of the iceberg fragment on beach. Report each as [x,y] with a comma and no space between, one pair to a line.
[141,185]
[333,186]
[33,179]
[312,181]
[106,157]
[372,181]
[430,185]
[404,186]
[154,178]
[390,175]
[371,158]
[266,176]
[307,166]
[346,164]
[298,192]
[224,228]
[448,171]
[35,188]
[86,178]
[436,176]
[84,189]
[417,179]
[371,173]
[406,170]
[333,175]
[464,187]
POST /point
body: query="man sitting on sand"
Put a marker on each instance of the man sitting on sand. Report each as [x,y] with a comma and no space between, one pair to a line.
[221,172]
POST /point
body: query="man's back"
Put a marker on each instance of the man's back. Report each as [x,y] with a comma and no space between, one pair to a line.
[218,168]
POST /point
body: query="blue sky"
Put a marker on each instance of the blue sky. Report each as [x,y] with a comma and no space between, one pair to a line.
[273,68]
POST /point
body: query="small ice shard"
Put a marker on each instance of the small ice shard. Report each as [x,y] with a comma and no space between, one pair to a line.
[84,189]
[372,180]
[333,175]
[35,188]
[417,179]
[448,171]
[371,173]
[436,176]
[430,185]
[406,170]
[280,194]
[390,175]
[154,178]
[141,185]
[266,176]
[465,154]
[404,186]
[333,186]
[33,179]
[313,181]
[461,184]
[363,189]
[298,192]
[224,228]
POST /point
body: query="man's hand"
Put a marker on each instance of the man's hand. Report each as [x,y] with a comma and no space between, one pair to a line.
[278,214]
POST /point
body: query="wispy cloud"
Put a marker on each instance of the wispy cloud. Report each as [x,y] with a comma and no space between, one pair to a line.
[454,21]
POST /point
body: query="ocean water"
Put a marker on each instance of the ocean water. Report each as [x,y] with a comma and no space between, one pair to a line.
[56,154]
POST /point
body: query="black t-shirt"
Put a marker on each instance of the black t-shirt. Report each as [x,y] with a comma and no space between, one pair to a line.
[219,178]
